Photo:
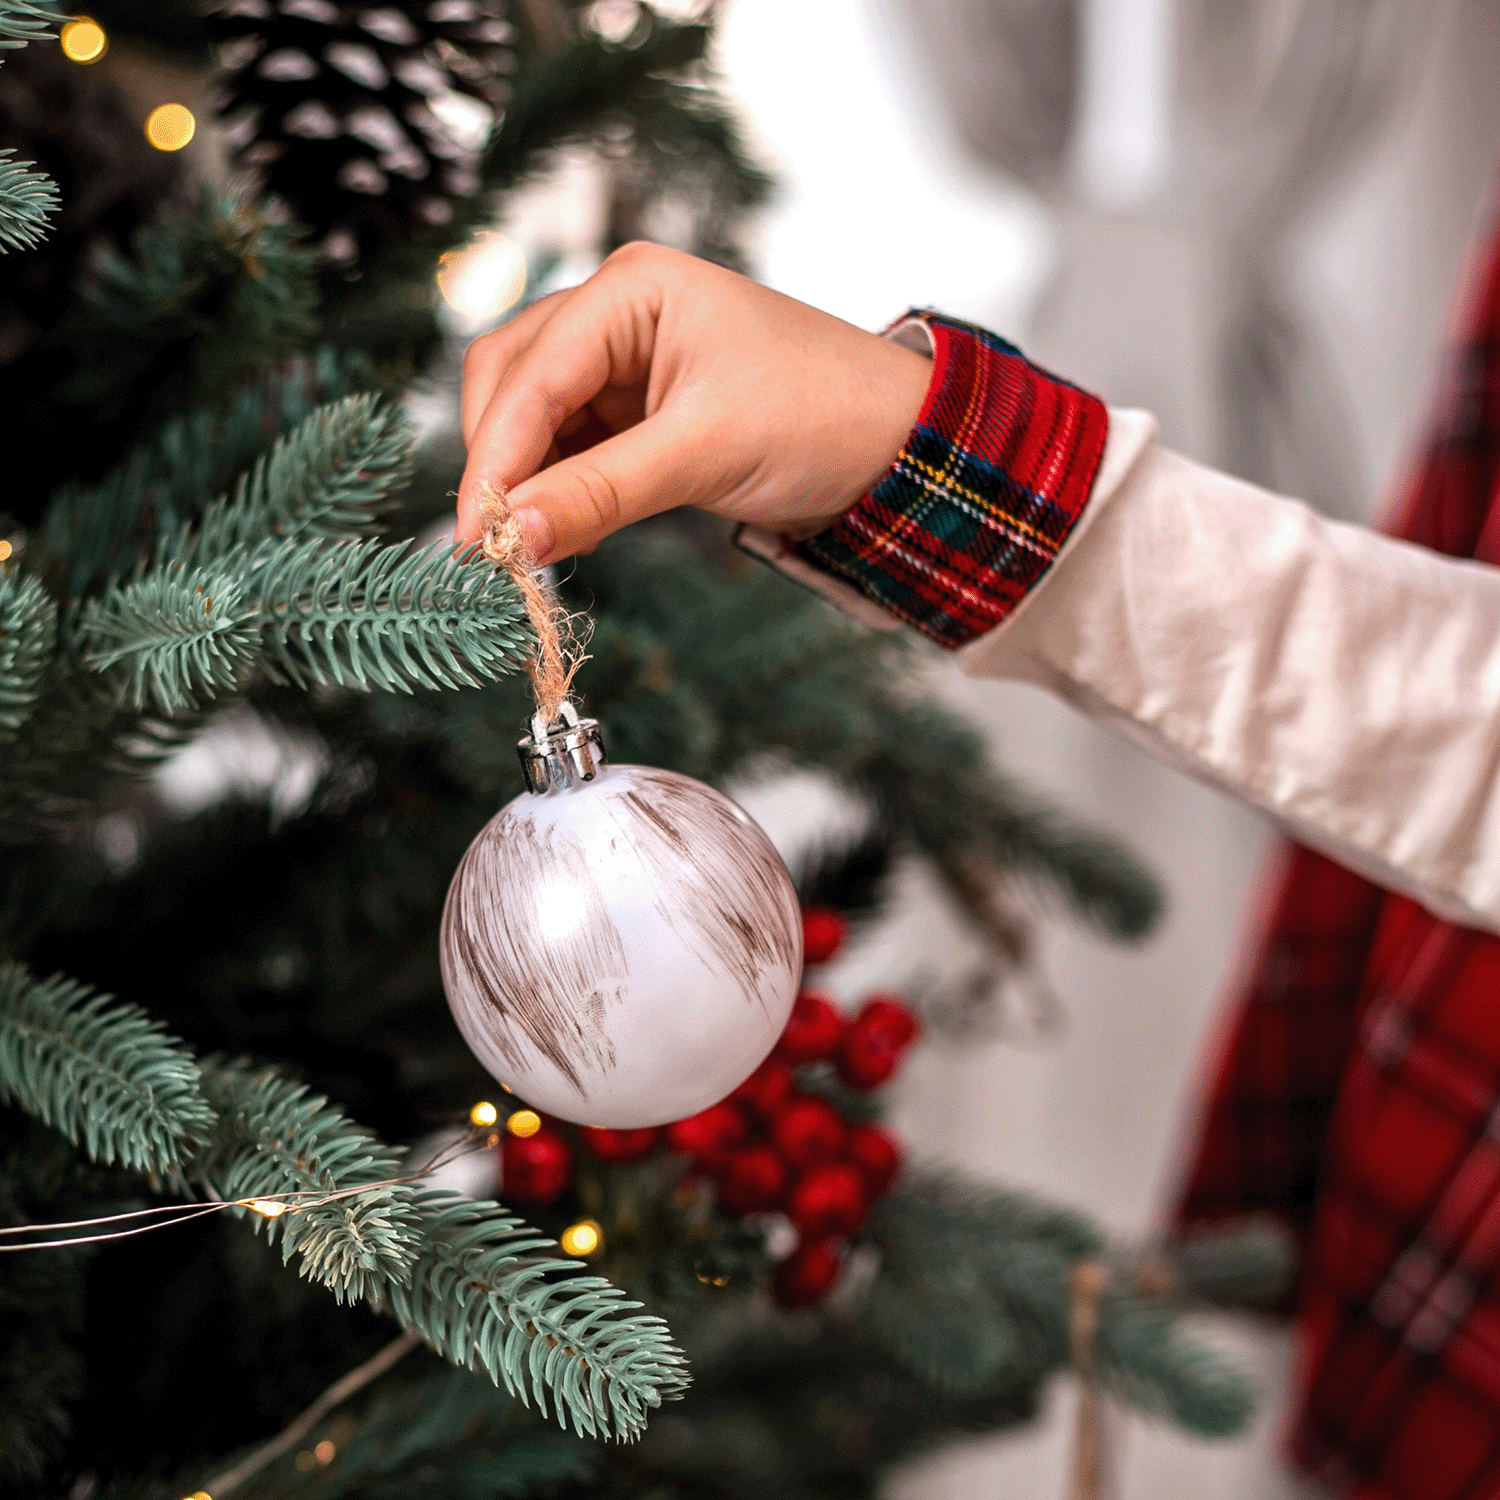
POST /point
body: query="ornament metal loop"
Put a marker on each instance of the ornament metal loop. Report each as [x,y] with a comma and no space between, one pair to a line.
[557,756]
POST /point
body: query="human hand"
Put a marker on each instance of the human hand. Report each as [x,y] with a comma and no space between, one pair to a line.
[663,381]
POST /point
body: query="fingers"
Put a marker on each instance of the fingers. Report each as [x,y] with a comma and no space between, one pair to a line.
[601,336]
[574,504]
[488,357]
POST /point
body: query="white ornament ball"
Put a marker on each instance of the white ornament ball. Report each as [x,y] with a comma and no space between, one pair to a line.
[623,951]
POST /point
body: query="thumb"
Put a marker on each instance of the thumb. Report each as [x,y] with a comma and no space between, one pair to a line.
[574,504]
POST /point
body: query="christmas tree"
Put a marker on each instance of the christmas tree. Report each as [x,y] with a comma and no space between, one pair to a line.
[232,1258]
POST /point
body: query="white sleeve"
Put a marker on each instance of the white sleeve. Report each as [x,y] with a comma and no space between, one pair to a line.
[1345,683]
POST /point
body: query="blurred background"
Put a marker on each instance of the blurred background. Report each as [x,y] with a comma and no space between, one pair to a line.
[1248,216]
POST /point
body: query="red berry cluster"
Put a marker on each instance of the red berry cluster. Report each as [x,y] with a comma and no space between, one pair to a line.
[769,1145]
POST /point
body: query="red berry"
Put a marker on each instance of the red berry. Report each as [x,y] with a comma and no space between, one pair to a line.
[807,1274]
[874,1042]
[876,1154]
[829,1198]
[865,1062]
[886,1016]
[813,1030]
[807,1130]
[753,1179]
[823,934]
[535,1168]
[766,1089]
[708,1137]
[618,1145]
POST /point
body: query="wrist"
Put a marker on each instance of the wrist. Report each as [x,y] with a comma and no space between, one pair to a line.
[987,485]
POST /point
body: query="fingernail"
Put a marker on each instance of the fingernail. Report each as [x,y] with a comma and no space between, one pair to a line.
[536,531]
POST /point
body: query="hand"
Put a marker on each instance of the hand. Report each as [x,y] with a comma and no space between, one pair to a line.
[665,381]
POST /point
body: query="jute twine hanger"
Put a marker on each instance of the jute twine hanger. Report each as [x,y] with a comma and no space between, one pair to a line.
[559,647]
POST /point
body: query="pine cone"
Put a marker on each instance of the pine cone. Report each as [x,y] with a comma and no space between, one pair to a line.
[369,120]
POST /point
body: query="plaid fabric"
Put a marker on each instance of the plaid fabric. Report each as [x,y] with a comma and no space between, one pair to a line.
[1359,1096]
[981,498]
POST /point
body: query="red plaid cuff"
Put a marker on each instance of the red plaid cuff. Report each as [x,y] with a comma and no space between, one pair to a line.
[981,497]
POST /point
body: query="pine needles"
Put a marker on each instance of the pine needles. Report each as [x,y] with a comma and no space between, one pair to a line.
[26,198]
[100,1072]
[489,1295]
[28,623]
[274,1138]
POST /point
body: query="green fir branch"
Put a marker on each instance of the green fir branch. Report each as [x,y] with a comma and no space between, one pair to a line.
[275,1137]
[93,533]
[174,637]
[26,198]
[327,479]
[1147,1360]
[206,297]
[23,21]
[487,1294]
[28,631]
[368,616]
[99,1071]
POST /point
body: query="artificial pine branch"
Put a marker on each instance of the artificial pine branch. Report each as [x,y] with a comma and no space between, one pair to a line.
[368,616]
[276,1137]
[488,1293]
[327,479]
[99,1071]
[89,534]
[28,629]
[26,198]
[177,636]
[23,21]
[206,297]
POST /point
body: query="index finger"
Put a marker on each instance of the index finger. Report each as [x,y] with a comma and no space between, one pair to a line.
[604,334]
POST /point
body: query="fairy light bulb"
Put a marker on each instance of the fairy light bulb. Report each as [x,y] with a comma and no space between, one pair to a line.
[5,549]
[83,40]
[582,1238]
[267,1206]
[483,1113]
[524,1122]
[169,127]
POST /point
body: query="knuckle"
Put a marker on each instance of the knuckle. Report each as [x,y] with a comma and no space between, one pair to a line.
[596,501]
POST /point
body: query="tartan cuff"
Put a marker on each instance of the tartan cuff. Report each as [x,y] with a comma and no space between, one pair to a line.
[982,496]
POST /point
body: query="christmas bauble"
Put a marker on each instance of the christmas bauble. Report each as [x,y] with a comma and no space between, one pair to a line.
[620,946]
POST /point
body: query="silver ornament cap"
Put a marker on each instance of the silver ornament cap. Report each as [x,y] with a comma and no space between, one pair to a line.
[560,755]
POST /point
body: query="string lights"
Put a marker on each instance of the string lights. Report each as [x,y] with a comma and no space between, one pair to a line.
[169,127]
[524,1122]
[83,40]
[582,1238]
[121,1226]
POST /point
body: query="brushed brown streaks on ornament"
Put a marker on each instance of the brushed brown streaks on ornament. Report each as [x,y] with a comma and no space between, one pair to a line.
[505,974]
[730,887]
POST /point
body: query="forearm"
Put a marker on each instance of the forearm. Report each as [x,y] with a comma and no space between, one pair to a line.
[1347,684]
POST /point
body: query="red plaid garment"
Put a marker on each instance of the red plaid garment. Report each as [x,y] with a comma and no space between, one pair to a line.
[1359,1096]
[981,497]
